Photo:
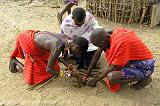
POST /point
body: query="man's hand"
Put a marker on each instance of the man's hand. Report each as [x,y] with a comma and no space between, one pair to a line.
[59,17]
[92,83]
[94,60]
[87,74]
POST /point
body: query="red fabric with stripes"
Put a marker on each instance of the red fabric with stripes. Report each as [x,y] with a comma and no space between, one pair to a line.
[125,46]
[35,68]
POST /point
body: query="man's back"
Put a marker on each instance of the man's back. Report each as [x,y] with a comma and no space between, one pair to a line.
[47,40]
[125,46]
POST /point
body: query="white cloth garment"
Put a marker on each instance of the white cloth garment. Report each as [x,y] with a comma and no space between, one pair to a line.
[69,28]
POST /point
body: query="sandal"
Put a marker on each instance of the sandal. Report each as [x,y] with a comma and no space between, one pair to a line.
[141,84]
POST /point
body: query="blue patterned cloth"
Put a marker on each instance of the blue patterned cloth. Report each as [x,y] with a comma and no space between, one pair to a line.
[138,69]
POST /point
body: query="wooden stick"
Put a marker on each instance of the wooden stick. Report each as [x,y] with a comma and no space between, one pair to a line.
[136,12]
[109,16]
[95,73]
[102,8]
[112,9]
[126,12]
[143,12]
[38,86]
[139,11]
[152,18]
[120,8]
[132,11]
[122,15]
[115,9]
[45,83]
[94,9]
[105,7]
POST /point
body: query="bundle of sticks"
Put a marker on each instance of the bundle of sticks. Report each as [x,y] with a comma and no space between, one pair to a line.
[73,71]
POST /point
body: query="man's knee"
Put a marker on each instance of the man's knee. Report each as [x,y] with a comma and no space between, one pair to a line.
[113,77]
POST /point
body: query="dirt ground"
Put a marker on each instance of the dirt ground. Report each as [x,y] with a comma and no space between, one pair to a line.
[61,92]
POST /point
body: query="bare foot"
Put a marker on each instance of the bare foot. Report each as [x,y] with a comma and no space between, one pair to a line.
[12,66]
[141,84]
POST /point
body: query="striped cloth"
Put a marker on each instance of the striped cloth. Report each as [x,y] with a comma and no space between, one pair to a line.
[35,59]
[125,46]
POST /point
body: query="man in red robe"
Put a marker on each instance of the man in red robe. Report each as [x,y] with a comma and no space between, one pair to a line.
[40,50]
[128,57]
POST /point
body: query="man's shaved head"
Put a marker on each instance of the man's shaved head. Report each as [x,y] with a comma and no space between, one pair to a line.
[98,36]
